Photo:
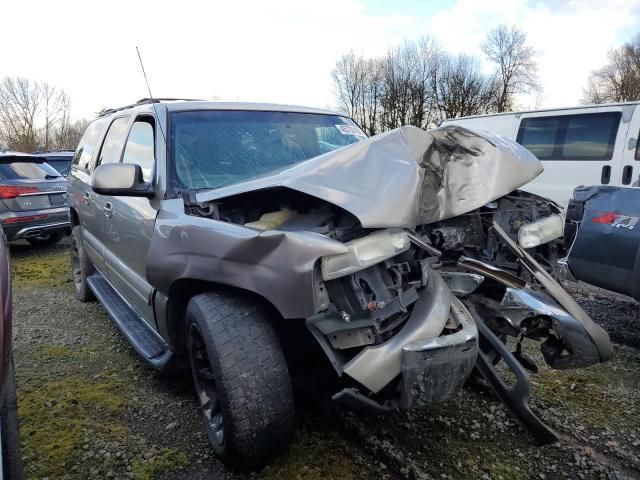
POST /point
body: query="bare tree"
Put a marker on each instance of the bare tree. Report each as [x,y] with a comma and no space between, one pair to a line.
[67,135]
[36,116]
[19,103]
[619,79]
[415,83]
[372,95]
[408,91]
[461,89]
[56,107]
[429,56]
[349,77]
[517,70]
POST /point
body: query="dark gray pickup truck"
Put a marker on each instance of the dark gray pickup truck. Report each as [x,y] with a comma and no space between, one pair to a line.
[256,242]
[603,236]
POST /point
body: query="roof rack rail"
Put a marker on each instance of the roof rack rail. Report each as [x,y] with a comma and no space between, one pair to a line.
[168,99]
[145,101]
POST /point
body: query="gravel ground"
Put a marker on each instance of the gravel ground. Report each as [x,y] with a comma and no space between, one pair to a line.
[90,408]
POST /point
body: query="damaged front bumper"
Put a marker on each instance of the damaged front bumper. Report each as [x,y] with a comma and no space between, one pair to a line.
[433,370]
[432,355]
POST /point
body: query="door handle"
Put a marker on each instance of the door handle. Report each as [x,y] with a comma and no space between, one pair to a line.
[108,209]
[605,176]
[87,198]
[627,173]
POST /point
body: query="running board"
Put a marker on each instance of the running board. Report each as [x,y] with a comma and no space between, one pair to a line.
[515,397]
[146,342]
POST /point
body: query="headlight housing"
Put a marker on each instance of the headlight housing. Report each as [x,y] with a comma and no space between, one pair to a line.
[540,232]
[365,252]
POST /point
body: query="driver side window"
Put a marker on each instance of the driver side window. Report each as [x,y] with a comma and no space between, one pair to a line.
[139,148]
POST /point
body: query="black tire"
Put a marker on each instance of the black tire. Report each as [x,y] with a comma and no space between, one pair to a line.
[241,378]
[11,458]
[81,267]
[45,240]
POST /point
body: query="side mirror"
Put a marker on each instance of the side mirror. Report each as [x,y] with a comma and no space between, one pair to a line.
[120,179]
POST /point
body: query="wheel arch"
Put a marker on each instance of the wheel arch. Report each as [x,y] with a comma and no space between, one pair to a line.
[74,218]
[183,290]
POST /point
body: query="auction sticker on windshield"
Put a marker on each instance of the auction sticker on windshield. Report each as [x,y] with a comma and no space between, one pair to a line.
[350,130]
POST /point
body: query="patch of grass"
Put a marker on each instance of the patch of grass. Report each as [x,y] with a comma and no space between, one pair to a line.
[447,448]
[58,351]
[55,416]
[32,267]
[314,456]
[167,459]
[604,395]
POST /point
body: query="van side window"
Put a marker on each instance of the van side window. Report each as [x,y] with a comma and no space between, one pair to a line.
[114,141]
[88,144]
[140,147]
[589,136]
[539,135]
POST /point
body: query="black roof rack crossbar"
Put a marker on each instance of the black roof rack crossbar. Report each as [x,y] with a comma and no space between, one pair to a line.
[145,101]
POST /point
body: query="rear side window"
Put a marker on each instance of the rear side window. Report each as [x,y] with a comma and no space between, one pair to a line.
[114,141]
[27,170]
[139,147]
[60,163]
[88,144]
[571,137]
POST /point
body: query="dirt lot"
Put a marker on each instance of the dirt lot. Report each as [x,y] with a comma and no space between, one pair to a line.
[91,409]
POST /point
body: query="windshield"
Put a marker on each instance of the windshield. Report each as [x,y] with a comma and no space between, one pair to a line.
[214,148]
[27,170]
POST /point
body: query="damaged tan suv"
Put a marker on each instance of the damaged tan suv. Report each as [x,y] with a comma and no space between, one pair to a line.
[248,239]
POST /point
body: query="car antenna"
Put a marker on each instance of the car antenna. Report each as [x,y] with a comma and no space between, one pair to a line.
[153,102]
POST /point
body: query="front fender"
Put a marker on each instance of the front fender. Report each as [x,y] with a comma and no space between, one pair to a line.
[276,265]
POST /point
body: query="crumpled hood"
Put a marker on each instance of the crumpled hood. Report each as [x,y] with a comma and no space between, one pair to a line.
[407,176]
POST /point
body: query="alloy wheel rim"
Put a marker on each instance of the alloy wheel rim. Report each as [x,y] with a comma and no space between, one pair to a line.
[205,386]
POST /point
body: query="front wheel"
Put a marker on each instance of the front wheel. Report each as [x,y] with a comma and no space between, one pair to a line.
[240,377]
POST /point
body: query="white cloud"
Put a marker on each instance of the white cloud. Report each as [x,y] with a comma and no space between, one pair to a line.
[571,38]
[276,50]
[280,50]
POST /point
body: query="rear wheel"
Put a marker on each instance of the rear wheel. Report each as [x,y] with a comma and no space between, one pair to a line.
[11,458]
[81,266]
[45,240]
[240,377]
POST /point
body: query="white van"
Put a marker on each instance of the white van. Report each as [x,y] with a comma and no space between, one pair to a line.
[586,145]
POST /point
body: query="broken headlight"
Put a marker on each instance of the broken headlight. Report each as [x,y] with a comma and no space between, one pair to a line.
[365,252]
[543,231]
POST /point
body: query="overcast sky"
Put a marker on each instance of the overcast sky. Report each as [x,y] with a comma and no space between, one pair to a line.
[283,50]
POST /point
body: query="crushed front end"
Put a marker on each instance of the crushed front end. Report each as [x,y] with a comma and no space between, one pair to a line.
[411,258]
[392,325]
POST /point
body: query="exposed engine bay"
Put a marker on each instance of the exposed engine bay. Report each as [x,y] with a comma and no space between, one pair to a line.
[471,235]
